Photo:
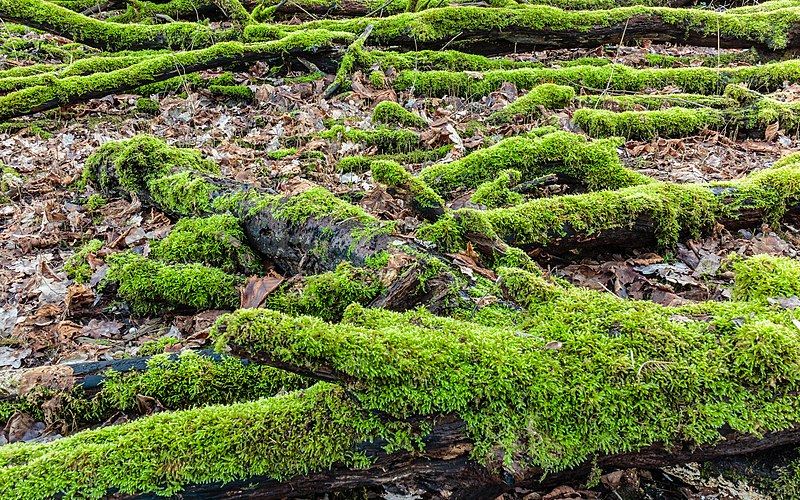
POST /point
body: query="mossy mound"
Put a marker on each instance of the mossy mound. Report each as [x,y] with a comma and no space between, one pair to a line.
[216,241]
[391,113]
[150,286]
[765,276]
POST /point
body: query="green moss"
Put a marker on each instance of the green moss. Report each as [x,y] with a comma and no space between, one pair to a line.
[76,267]
[280,154]
[233,92]
[147,105]
[327,295]
[547,96]
[675,209]
[151,286]
[94,201]
[498,193]
[595,163]
[154,69]
[385,139]
[216,241]
[633,388]
[317,202]
[361,163]
[378,79]
[317,428]
[765,276]
[144,165]
[614,77]
[391,113]
[445,232]
[393,175]
[643,125]
[153,347]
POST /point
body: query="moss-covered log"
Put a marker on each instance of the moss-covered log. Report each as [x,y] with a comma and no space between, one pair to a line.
[310,232]
[635,216]
[611,77]
[508,28]
[587,379]
[56,92]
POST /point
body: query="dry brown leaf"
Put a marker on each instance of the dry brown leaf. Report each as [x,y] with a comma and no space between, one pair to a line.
[256,289]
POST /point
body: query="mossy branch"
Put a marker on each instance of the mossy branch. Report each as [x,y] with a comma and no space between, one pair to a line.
[639,215]
[54,92]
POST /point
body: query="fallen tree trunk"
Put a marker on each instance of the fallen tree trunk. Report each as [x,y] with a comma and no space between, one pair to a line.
[467,28]
[637,216]
[491,410]
[74,89]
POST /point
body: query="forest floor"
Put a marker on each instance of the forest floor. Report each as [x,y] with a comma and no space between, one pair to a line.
[47,318]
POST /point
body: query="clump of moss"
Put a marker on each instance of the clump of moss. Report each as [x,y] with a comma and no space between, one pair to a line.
[446,232]
[378,79]
[280,154]
[169,176]
[393,175]
[147,105]
[498,193]
[153,347]
[595,164]
[391,113]
[9,179]
[77,267]
[233,92]
[327,295]
[94,202]
[385,139]
[642,125]
[547,96]
[216,240]
[765,276]
[151,286]
[359,163]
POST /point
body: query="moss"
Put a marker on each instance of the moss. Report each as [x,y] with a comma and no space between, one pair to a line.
[324,426]
[498,193]
[327,295]
[657,381]
[391,113]
[675,209]
[547,96]
[153,347]
[216,241]
[94,201]
[280,154]
[446,233]
[361,163]
[378,79]
[436,26]
[764,276]
[76,267]
[153,69]
[643,125]
[614,77]
[150,286]
[393,175]
[144,165]
[147,106]
[385,139]
[111,36]
[595,163]
[233,92]
[317,202]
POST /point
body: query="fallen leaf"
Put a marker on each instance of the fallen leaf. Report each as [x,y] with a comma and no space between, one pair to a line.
[256,289]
